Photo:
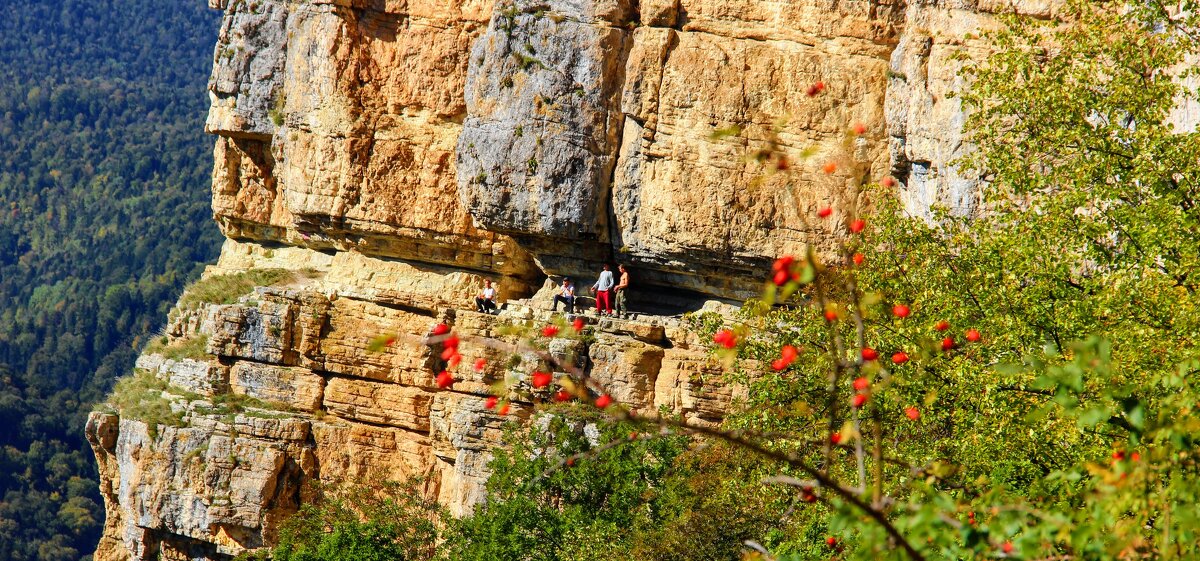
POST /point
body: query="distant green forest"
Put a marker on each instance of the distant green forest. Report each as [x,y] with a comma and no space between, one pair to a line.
[104,216]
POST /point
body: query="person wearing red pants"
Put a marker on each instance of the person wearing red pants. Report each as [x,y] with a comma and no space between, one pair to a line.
[603,290]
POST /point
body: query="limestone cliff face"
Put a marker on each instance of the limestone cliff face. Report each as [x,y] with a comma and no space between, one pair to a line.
[392,154]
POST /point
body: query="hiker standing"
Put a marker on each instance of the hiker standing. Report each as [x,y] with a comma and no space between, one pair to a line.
[603,290]
[622,288]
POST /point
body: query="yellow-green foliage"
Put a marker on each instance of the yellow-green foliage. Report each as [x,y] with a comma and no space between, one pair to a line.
[140,396]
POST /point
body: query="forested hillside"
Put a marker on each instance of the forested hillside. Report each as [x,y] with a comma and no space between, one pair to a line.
[103,217]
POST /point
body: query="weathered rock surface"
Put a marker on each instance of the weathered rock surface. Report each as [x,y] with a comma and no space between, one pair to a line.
[398,154]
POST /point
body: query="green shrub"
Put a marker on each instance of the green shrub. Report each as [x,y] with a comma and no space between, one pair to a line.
[649,498]
[389,522]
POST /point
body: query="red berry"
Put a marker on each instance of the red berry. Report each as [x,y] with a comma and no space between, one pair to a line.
[835,437]
[603,401]
[549,331]
[453,360]
[861,384]
[541,379]
[947,343]
[441,329]
[900,358]
[859,258]
[820,86]
[972,335]
[578,324]
[869,354]
[779,364]
[858,401]
[570,462]
[830,315]
[807,495]
[825,212]
[888,182]
[780,278]
[480,365]
[901,311]
[942,325]
[1007,547]
[1135,457]
[449,353]
[912,413]
[829,167]
[451,342]
[445,380]
[783,263]
[563,395]
[1119,455]
[389,341]
[782,164]
[789,353]
[491,402]
[859,128]
[831,541]
[633,436]
[857,226]
[503,409]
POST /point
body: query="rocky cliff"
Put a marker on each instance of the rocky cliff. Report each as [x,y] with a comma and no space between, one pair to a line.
[376,160]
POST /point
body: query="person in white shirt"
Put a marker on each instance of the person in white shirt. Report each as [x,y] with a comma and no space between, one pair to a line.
[566,295]
[486,301]
[603,290]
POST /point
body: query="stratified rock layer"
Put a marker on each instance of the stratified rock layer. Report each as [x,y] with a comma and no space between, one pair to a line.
[395,155]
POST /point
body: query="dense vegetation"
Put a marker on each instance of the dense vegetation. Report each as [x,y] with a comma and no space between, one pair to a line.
[103,218]
[1016,384]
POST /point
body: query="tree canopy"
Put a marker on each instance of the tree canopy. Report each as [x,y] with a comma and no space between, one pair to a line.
[104,217]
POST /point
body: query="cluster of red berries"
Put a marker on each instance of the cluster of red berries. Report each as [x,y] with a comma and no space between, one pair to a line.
[725,338]
[449,354]
[861,386]
[785,269]
[491,404]
[815,89]
[1120,456]
[948,343]
[787,355]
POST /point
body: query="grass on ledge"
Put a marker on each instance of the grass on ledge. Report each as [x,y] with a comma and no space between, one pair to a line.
[226,289]
[190,347]
[140,396]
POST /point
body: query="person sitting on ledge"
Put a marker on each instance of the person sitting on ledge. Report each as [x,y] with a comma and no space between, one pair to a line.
[566,295]
[485,303]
